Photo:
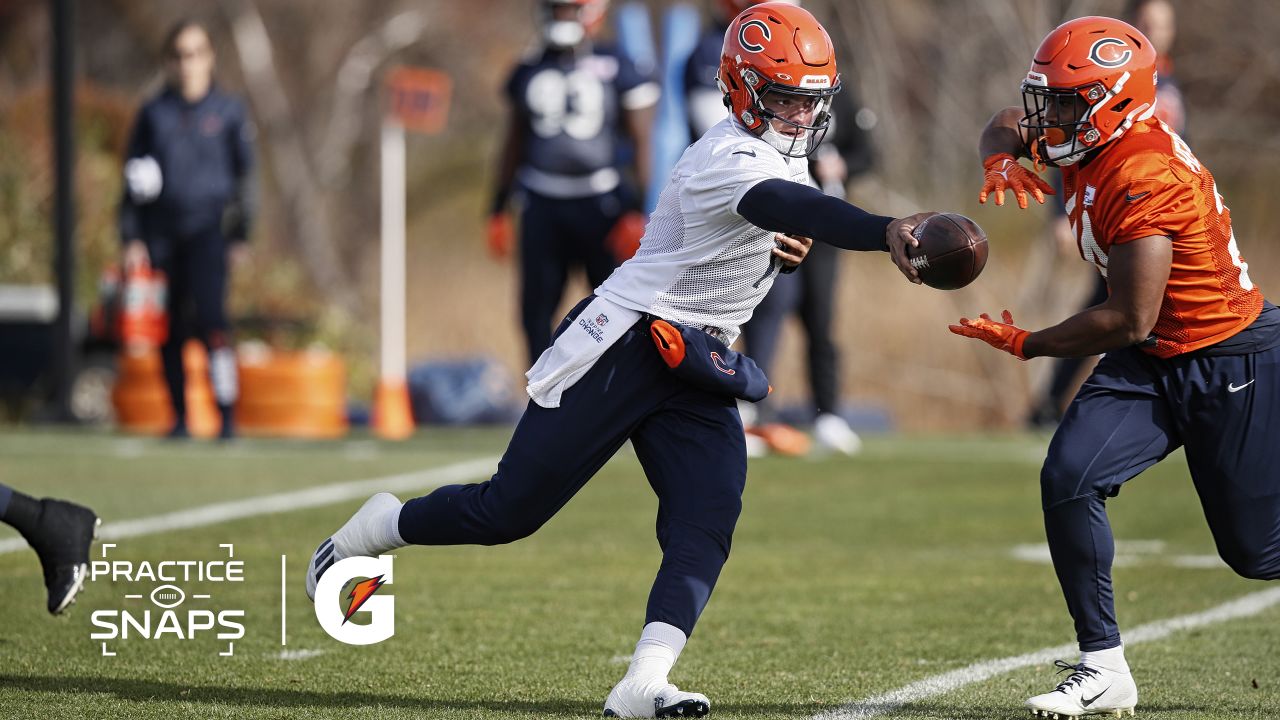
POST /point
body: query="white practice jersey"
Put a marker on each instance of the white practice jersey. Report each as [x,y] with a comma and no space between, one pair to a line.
[700,263]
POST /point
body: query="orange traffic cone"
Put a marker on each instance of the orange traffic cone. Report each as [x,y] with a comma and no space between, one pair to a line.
[392,417]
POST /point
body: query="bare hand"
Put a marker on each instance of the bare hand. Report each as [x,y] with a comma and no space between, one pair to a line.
[791,249]
[898,237]
[136,256]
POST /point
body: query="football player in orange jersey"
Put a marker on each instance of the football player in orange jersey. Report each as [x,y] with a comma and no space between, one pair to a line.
[1192,348]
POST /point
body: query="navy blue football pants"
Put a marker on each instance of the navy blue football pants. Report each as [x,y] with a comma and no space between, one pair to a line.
[690,443]
[555,236]
[810,292]
[1135,409]
[196,269]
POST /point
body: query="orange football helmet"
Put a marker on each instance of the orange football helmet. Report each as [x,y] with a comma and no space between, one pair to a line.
[778,47]
[563,33]
[1090,80]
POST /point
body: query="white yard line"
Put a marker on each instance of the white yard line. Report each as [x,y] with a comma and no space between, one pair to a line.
[1246,606]
[287,501]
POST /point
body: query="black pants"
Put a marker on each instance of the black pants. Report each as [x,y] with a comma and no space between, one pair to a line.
[555,236]
[196,268]
[809,291]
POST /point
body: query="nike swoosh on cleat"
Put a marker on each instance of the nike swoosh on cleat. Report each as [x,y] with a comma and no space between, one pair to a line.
[1139,196]
[1086,702]
[1232,387]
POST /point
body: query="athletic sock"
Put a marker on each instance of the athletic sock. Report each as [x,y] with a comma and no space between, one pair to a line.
[1110,659]
[373,530]
[659,648]
[21,511]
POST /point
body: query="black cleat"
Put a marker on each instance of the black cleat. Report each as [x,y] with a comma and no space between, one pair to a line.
[61,539]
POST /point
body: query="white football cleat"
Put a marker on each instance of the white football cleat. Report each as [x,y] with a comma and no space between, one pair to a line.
[639,699]
[834,434]
[1087,691]
[365,534]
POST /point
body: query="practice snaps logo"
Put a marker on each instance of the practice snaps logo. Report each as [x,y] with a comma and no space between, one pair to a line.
[156,607]
[363,597]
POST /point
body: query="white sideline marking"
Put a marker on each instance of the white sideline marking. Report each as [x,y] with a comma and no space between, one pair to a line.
[1246,606]
[296,654]
[1128,554]
[286,501]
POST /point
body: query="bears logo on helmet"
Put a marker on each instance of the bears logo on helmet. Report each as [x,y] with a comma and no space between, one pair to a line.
[1107,46]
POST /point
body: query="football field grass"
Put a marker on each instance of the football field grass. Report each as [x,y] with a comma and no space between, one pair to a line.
[850,579]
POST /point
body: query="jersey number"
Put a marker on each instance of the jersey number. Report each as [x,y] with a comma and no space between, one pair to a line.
[571,103]
[1232,248]
[1090,250]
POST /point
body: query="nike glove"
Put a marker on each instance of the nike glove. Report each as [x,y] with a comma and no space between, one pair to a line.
[1000,335]
[1004,172]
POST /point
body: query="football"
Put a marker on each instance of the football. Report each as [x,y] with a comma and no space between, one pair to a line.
[951,253]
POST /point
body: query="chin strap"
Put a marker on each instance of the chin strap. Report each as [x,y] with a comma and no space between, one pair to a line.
[1037,162]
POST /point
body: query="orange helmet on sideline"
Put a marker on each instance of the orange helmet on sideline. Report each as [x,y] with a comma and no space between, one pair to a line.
[1090,80]
[777,47]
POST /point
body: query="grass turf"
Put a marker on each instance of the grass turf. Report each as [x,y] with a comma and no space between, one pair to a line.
[849,578]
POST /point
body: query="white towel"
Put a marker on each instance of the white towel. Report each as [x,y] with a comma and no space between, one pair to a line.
[600,324]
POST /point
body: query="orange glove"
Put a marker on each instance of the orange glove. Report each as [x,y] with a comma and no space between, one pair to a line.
[501,235]
[624,237]
[1000,335]
[1003,171]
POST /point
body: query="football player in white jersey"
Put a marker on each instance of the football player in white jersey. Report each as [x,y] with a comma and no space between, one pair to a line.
[646,357]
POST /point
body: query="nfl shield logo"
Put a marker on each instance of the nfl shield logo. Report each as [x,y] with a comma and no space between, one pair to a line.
[602,320]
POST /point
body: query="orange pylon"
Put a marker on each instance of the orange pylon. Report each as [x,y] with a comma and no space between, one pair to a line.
[392,416]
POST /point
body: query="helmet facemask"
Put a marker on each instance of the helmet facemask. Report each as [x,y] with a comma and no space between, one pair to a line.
[806,138]
[1059,122]
[1063,124]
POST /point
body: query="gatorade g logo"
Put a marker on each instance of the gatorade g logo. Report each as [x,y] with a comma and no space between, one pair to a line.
[747,44]
[1110,53]
[362,598]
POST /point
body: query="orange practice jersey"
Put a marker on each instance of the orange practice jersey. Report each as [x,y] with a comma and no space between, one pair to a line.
[1147,183]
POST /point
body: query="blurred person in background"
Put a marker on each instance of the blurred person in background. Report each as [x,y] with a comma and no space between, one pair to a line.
[574,104]
[60,532]
[809,291]
[1156,20]
[187,207]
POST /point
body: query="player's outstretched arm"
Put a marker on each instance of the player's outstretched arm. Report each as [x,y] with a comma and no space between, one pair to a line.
[799,210]
[501,231]
[1001,144]
[1137,274]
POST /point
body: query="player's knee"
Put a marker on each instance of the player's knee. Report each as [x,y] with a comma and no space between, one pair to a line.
[509,523]
[513,529]
[1058,482]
